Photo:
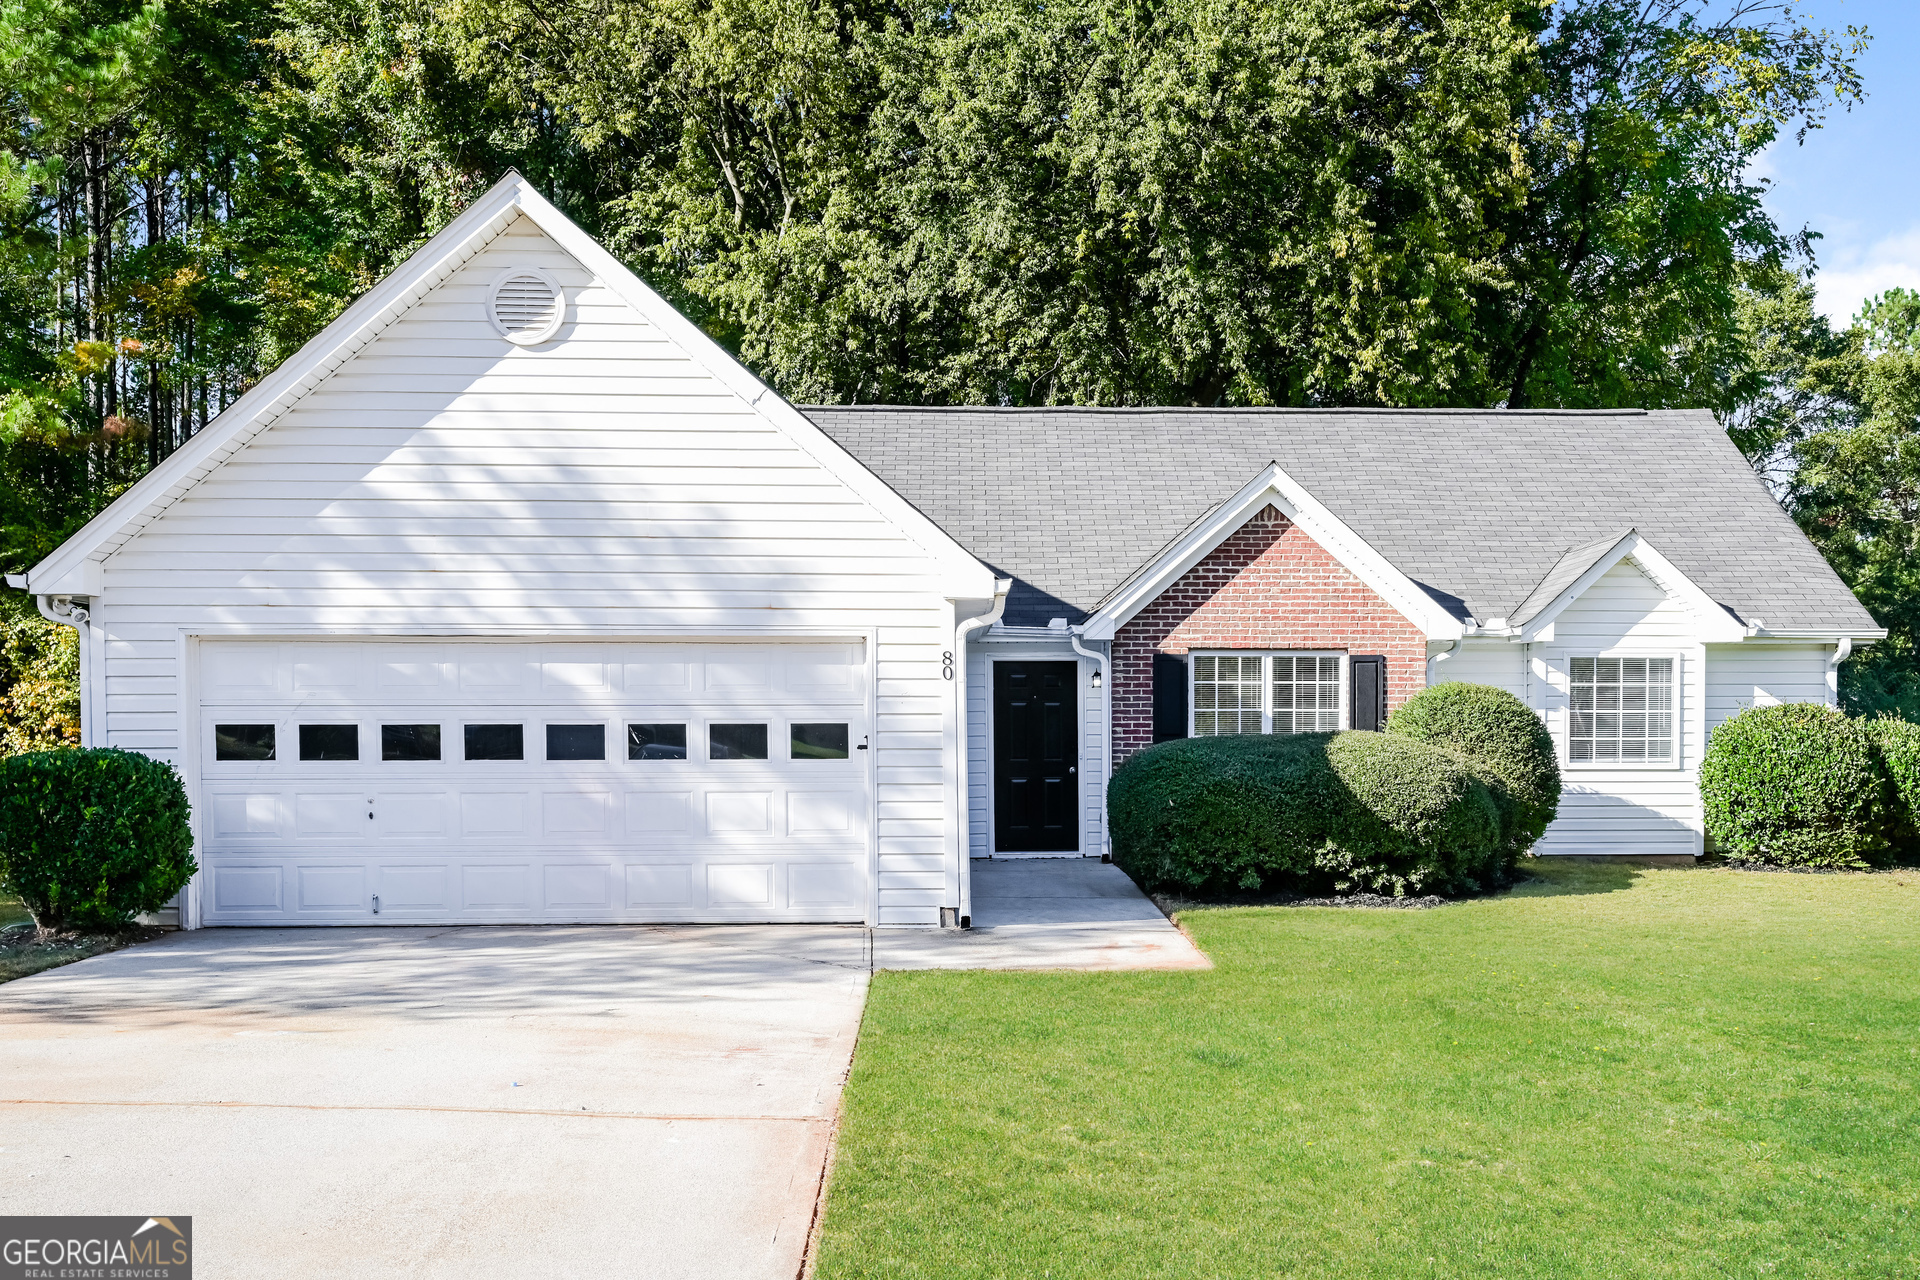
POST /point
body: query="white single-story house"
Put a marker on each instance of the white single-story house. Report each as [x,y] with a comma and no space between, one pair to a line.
[512,597]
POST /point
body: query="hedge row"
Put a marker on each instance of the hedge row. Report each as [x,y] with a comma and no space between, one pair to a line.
[1805,785]
[91,838]
[1463,782]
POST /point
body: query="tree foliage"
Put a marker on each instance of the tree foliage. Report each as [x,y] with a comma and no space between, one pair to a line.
[39,681]
[1832,421]
[1328,202]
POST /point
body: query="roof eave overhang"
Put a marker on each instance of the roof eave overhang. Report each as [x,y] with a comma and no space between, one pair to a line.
[1274,486]
[1859,635]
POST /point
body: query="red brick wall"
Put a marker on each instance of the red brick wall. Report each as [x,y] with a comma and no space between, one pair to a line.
[1268,586]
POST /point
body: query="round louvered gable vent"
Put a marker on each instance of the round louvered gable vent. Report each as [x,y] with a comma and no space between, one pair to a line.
[526,305]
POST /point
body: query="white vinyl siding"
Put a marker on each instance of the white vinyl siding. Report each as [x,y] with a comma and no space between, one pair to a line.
[1267,693]
[1623,806]
[446,482]
[1765,674]
[1500,663]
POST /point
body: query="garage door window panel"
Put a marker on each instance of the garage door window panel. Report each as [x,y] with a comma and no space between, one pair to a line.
[329,742]
[737,742]
[576,742]
[496,742]
[409,742]
[656,742]
[818,742]
[243,742]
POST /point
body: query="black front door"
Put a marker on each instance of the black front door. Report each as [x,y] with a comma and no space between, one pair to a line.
[1036,755]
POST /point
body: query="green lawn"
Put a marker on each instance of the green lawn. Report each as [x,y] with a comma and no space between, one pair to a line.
[1612,1072]
[22,955]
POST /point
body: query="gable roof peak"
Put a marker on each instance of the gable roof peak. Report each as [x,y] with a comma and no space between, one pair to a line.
[74,566]
[1272,487]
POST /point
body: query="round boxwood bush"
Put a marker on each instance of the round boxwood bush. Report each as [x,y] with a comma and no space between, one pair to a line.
[1509,747]
[1795,785]
[1896,750]
[91,838]
[1345,811]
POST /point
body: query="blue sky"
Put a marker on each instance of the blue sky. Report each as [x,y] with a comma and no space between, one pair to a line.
[1857,181]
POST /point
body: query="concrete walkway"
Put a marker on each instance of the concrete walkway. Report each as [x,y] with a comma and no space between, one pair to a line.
[422,1102]
[1047,913]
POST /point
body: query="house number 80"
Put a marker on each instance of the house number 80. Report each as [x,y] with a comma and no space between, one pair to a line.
[946,666]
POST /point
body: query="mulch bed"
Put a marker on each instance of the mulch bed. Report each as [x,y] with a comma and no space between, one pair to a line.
[1365,901]
[28,949]
[1739,864]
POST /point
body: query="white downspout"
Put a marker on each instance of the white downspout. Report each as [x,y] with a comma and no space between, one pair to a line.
[1841,652]
[1106,729]
[63,610]
[1441,657]
[961,888]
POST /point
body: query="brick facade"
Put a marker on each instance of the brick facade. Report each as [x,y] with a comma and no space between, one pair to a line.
[1267,586]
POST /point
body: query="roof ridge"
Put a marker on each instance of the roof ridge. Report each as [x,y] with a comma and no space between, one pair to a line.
[1234,409]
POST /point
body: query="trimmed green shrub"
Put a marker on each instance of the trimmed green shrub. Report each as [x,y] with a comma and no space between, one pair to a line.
[1896,749]
[1304,811]
[1510,749]
[91,838]
[1795,785]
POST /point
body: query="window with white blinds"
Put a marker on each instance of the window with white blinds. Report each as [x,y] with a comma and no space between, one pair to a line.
[1268,693]
[1306,693]
[1622,710]
[1227,695]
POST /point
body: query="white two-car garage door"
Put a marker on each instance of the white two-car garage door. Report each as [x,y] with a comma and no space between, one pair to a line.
[434,781]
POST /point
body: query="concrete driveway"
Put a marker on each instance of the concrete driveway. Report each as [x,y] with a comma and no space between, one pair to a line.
[437,1102]
[583,1101]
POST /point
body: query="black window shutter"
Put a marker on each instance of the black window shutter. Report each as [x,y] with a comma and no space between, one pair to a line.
[1169,697]
[1368,699]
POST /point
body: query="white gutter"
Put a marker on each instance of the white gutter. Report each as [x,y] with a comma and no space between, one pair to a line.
[1841,652]
[961,888]
[1100,663]
[63,610]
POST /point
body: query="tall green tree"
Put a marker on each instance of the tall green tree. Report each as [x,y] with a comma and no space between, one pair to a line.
[154,260]
[1856,491]
[1464,202]
[1624,262]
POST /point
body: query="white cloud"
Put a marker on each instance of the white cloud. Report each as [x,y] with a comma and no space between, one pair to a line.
[1849,274]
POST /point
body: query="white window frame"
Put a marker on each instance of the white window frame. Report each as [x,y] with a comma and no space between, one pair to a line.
[1674,740]
[1344,681]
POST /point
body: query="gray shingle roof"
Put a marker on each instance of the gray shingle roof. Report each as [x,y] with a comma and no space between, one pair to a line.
[1478,506]
[1565,572]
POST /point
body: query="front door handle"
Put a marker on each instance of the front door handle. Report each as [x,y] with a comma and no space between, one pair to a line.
[1070,769]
